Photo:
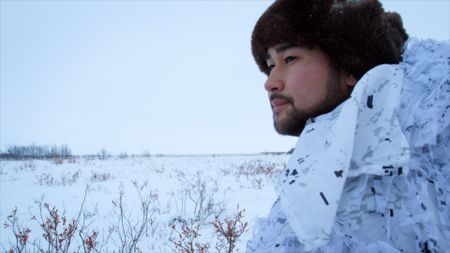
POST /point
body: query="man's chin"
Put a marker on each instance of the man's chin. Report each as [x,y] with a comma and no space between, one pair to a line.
[288,128]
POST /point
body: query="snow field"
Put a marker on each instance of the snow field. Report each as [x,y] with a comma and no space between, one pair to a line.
[180,190]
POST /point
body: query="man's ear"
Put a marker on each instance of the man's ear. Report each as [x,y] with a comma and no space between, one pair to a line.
[349,79]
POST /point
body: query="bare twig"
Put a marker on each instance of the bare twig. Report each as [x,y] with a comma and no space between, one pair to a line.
[229,230]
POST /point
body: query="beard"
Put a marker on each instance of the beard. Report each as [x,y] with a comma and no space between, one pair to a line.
[294,120]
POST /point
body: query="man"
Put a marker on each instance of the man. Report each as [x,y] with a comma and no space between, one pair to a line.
[371,169]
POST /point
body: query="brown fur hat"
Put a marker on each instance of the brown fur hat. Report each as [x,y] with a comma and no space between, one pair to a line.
[357,34]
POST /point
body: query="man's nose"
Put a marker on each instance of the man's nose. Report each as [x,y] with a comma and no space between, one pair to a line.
[274,82]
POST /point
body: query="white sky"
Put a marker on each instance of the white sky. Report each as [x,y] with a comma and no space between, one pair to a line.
[162,76]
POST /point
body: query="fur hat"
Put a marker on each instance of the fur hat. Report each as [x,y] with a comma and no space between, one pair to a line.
[357,34]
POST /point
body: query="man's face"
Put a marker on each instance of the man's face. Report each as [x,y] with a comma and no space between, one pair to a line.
[303,84]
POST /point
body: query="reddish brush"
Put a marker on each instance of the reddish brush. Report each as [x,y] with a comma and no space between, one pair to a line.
[228,231]
[20,233]
[187,240]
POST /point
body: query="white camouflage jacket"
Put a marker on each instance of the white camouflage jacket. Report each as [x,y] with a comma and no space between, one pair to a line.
[373,175]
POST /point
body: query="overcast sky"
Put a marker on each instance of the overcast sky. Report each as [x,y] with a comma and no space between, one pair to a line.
[157,76]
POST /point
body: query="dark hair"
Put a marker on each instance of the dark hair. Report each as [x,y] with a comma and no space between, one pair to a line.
[357,34]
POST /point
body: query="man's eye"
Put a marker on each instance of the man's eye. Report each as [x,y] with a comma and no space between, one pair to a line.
[289,59]
[270,67]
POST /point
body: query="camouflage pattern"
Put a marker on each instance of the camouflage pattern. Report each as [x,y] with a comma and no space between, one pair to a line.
[372,175]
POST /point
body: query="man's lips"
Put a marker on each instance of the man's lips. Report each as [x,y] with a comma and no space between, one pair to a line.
[278,104]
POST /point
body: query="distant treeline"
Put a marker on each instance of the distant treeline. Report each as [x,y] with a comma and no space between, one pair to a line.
[36,152]
[33,151]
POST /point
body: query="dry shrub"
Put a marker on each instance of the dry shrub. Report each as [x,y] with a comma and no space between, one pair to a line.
[198,200]
[21,233]
[58,231]
[187,239]
[97,177]
[48,179]
[258,168]
[229,230]
[57,160]
[130,231]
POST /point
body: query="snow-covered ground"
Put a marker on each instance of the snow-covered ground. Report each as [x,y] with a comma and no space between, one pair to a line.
[174,182]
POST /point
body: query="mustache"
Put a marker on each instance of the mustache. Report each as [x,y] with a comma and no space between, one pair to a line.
[281,97]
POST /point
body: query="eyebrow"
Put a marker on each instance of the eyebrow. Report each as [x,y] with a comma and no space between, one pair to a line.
[279,49]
